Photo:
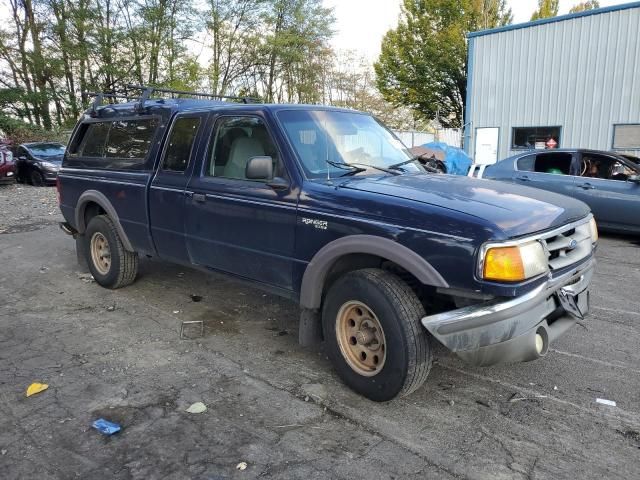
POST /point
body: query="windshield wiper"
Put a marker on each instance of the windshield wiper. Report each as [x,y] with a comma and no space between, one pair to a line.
[355,168]
[352,170]
[396,166]
[364,166]
[427,167]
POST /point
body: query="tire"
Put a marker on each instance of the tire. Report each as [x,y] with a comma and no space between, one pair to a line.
[36,178]
[19,177]
[401,364]
[112,267]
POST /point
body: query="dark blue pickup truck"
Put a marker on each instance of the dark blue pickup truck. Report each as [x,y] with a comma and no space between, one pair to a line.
[326,207]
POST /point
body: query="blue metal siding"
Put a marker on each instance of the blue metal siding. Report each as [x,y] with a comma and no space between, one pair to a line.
[580,74]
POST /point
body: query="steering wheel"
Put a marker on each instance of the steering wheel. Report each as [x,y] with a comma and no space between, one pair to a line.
[585,166]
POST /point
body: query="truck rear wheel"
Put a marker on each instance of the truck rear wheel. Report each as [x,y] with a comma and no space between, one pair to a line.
[371,322]
[110,264]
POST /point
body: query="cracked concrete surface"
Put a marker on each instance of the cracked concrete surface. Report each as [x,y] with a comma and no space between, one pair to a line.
[274,405]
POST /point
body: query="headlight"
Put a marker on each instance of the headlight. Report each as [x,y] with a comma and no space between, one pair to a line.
[49,165]
[514,263]
[593,227]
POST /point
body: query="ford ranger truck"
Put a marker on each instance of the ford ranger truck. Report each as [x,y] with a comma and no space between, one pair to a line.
[326,207]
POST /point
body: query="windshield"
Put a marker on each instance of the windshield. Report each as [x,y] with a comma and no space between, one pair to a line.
[47,149]
[321,136]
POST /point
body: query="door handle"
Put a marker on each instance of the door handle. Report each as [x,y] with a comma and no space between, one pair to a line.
[199,197]
[523,178]
[586,186]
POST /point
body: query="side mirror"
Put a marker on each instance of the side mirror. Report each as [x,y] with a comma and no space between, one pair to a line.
[259,168]
[634,178]
[279,183]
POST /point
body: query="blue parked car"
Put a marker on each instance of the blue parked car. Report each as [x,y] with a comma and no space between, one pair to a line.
[609,183]
[326,207]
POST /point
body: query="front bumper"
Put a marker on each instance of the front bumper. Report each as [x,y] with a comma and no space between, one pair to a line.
[50,175]
[7,177]
[502,330]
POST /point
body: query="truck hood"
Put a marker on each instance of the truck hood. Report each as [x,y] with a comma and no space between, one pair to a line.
[514,209]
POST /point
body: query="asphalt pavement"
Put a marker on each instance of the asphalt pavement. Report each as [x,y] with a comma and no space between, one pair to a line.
[272,405]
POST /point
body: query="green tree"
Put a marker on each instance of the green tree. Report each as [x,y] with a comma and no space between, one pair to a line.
[233,26]
[296,46]
[422,64]
[584,6]
[52,52]
[546,9]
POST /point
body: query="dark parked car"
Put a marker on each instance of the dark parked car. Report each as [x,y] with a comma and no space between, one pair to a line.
[326,207]
[7,166]
[38,163]
[607,182]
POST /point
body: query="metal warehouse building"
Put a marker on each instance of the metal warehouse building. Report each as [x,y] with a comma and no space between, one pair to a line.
[564,82]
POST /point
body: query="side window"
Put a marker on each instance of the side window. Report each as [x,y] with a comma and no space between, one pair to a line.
[527,164]
[557,163]
[607,168]
[94,139]
[235,141]
[130,139]
[178,151]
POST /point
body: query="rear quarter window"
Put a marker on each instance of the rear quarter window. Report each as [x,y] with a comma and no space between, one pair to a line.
[527,164]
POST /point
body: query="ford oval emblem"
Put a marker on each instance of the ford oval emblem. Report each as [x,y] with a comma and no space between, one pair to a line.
[572,244]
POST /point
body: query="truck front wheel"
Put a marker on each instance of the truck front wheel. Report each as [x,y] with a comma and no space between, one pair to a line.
[371,322]
[110,263]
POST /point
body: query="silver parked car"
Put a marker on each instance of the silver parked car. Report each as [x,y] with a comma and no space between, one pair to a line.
[609,183]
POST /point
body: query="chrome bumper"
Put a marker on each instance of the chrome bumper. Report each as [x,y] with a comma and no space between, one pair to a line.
[506,331]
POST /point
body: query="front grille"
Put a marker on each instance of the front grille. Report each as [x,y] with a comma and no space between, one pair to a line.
[568,247]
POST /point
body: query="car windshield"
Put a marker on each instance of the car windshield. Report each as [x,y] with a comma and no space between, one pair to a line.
[324,140]
[47,149]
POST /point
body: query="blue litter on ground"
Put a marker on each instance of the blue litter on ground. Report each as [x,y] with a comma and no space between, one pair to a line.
[106,427]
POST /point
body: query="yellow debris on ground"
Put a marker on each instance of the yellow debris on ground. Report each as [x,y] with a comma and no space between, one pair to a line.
[36,388]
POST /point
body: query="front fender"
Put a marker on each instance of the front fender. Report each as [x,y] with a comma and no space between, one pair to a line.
[317,270]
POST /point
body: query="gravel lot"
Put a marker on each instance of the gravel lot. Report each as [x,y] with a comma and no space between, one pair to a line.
[270,403]
[23,207]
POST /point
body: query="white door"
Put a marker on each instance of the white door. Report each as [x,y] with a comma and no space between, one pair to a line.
[486,151]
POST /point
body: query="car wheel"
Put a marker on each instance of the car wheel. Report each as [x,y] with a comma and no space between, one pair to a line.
[19,176]
[110,263]
[37,179]
[371,323]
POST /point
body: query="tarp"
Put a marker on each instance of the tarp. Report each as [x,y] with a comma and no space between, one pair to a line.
[456,161]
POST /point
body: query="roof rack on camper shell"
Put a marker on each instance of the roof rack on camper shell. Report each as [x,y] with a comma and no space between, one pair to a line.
[148,91]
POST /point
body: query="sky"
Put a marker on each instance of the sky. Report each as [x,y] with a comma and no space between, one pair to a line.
[361,24]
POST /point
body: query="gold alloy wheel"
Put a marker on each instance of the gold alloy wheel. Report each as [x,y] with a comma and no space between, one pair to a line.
[100,253]
[361,338]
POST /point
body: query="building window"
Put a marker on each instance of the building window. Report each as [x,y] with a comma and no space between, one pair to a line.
[539,138]
[626,137]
